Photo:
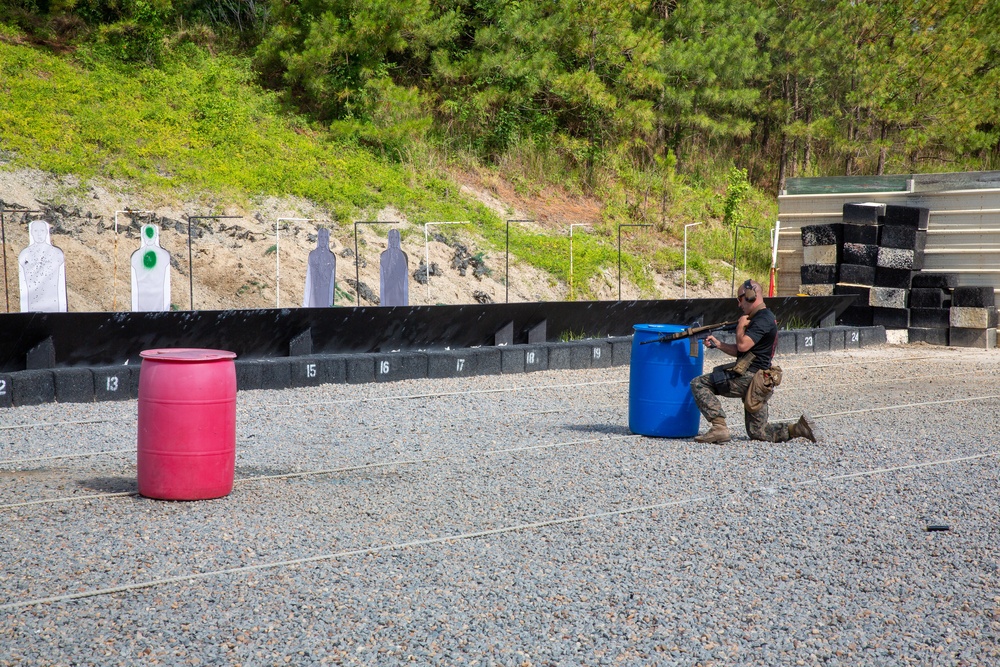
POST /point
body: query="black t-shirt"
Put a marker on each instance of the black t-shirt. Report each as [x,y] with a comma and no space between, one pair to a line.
[763,331]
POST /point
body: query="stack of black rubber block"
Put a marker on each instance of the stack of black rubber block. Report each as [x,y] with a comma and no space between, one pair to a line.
[942,313]
[973,318]
[859,258]
[930,307]
[901,245]
[883,247]
[821,251]
[876,253]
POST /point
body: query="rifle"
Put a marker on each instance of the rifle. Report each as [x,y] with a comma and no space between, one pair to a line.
[689,332]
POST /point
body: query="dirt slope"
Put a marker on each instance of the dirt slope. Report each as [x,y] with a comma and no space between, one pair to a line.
[241,263]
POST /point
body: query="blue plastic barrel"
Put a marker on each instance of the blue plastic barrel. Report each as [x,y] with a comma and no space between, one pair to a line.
[659,393]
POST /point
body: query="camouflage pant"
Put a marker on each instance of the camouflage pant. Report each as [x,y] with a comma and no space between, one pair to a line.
[711,407]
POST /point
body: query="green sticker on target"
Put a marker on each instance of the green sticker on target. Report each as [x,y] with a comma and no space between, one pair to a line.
[149,259]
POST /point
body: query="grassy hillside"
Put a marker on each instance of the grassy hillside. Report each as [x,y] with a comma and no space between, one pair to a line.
[198,128]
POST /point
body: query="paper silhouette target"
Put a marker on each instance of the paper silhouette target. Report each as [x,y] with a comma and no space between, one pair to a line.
[321,273]
[394,289]
[150,273]
[41,272]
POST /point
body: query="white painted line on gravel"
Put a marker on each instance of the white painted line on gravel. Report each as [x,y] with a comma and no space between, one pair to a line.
[911,466]
[403,397]
[875,362]
[132,450]
[544,412]
[45,424]
[907,379]
[462,536]
[68,499]
[908,405]
[497,451]
[328,471]
[67,456]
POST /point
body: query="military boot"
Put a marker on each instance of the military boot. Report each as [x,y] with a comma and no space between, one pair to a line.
[718,434]
[803,428]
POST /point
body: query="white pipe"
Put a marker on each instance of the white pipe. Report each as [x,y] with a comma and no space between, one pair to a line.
[774,249]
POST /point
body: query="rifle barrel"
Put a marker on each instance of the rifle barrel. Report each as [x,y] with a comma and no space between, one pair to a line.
[687,333]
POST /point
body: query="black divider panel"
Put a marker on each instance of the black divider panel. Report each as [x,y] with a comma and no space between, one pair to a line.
[467,362]
[838,337]
[581,355]
[121,382]
[805,341]
[6,390]
[276,374]
[106,339]
[316,370]
[852,337]
[787,342]
[512,359]
[560,357]
[400,366]
[536,358]
[74,385]
[872,336]
[621,351]
[116,383]
[33,388]
[248,375]
[360,368]
[821,340]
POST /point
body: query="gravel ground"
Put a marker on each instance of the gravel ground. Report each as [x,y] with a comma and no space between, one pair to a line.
[514,520]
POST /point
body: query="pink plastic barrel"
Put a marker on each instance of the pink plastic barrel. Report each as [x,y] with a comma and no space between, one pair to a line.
[187,424]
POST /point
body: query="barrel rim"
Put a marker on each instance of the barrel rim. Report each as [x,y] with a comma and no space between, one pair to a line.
[187,354]
[659,328]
